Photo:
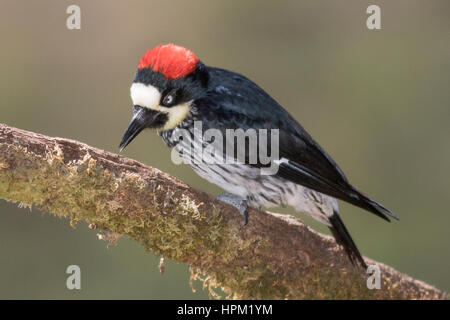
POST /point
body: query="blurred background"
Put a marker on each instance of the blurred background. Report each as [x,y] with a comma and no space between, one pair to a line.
[377,100]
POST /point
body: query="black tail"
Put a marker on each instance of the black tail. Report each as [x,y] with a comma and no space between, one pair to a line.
[365,202]
[338,187]
[343,238]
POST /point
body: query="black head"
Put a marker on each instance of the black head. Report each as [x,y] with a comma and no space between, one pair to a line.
[169,79]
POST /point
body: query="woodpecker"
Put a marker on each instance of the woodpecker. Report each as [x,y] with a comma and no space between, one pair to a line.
[173,89]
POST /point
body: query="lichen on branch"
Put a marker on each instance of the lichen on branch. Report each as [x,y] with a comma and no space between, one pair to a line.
[274,256]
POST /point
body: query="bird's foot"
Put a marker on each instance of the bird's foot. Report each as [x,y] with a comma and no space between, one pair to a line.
[235,201]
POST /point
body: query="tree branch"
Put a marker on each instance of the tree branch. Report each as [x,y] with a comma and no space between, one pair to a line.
[274,256]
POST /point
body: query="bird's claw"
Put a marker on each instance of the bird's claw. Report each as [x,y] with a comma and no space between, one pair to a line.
[237,202]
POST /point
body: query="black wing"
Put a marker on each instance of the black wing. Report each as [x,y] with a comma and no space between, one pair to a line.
[235,102]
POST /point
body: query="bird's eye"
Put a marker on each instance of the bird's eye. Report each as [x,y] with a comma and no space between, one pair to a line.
[169,99]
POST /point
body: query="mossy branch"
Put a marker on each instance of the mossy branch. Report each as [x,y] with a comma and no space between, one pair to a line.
[274,256]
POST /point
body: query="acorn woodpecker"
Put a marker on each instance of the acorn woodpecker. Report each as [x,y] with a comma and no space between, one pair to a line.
[173,90]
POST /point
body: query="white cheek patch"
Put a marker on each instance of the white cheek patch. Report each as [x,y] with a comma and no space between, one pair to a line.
[145,96]
[176,114]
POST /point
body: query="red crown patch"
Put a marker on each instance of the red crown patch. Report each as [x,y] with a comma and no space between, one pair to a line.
[171,60]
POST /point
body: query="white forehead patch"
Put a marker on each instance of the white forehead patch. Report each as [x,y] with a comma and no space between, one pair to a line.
[145,95]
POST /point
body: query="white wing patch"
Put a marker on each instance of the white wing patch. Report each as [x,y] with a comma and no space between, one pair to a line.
[282,160]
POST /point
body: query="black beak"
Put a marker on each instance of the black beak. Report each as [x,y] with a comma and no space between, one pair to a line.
[142,118]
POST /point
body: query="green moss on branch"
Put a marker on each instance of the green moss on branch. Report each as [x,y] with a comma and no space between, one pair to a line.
[272,257]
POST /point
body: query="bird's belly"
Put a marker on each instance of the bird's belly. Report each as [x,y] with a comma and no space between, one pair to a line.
[265,190]
[235,179]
